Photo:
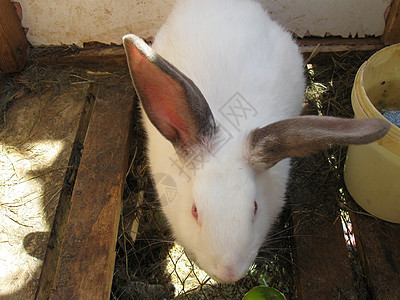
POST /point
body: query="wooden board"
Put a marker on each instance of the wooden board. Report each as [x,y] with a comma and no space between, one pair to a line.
[110,56]
[332,44]
[321,262]
[391,34]
[378,243]
[115,55]
[37,141]
[86,263]
[13,43]
[323,270]
[64,205]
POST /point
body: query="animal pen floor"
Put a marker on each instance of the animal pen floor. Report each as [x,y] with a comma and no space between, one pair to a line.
[56,220]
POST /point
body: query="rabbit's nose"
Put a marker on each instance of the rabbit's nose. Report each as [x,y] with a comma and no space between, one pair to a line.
[228,273]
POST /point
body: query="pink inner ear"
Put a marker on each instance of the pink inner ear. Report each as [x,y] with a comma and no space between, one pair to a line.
[195,213]
[162,97]
[162,107]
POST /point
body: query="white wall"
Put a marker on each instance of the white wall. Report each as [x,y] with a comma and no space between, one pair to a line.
[77,21]
[336,17]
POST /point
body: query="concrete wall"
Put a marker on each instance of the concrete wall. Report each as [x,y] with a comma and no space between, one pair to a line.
[54,22]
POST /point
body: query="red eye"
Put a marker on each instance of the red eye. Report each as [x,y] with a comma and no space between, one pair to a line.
[194,212]
[255,208]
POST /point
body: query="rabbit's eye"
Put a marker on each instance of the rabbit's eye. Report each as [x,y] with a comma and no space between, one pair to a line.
[255,208]
[194,212]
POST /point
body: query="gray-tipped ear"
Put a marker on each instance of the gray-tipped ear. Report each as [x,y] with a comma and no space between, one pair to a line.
[306,135]
[172,102]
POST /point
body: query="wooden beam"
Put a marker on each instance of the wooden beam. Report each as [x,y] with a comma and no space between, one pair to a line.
[322,266]
[110,56]
[86,263]
[13,43]
[64,204]
[310,45]
[115,55]
[378,244]
[391,34]
[321,262]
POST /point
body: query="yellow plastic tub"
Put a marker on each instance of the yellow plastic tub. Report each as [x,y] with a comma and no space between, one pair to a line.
[372,172]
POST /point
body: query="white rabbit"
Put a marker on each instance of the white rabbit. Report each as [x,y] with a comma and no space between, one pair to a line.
[221,89]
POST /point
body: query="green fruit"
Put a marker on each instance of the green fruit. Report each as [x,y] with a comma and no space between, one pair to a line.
[263,293]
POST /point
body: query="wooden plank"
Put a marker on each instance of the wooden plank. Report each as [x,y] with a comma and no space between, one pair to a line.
[323,269]
[326,45]
[36,144]
[13,43]
[391,35]
[86,264]
[105,56]
[322,265]
[115,55]
[64,205]
[378,243]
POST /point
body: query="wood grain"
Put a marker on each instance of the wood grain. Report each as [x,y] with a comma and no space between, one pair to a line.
[321,261]
[86,263]
[323,269]
[115,55]
[378,243]
[391,34]
[13,43]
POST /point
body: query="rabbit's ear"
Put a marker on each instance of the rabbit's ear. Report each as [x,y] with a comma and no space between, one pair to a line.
[172,102]
[306,135]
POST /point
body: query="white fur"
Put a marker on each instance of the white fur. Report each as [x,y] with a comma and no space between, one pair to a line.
[225,47]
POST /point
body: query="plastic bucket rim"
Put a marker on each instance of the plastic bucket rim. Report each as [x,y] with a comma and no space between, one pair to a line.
[367,107]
